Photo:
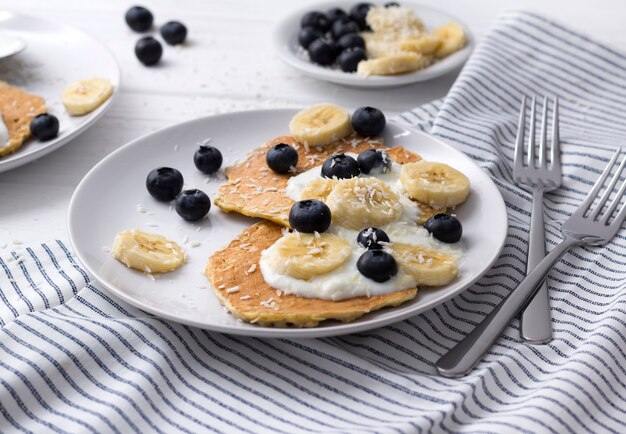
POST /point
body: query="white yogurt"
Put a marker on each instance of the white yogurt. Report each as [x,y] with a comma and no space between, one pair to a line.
[4,133]
[346,281]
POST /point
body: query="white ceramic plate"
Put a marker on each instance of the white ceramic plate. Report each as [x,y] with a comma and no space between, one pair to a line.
[287,47]
[106,200]
[55,56]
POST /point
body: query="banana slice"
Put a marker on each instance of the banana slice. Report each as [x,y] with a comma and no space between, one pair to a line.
[318,189]
[360,202]
[307,255]
[150,253]
[85,96]
[426,44]
[320,125]
[434,184]
[398,63]
[452,39]
[428,267]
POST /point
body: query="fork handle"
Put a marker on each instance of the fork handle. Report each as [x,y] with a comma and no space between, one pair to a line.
[535,325]
[464,355]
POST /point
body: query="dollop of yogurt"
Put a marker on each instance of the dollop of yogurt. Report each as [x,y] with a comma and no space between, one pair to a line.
[4,133]
[346,281]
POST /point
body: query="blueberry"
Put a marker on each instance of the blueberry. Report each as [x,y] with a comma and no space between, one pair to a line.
[207,159]
[370,238]
[148,50]
[315,19]
[164,183]
[334,14]
[139,18]
[44,126]
[323,52]
[392,5]
[359,14]
[193,204]
[349,59]
[374,161]
[174,32]
[282,158]
[344,26]
[340,166]
[309,216]
[351,40]
[368,121]
[377,265]
[444,227]
[308,35]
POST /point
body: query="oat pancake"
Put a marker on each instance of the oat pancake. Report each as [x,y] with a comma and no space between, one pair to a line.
[17,109]
[235,274]
[254,190]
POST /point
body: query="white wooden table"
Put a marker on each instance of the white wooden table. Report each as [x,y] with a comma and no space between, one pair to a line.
[228,65]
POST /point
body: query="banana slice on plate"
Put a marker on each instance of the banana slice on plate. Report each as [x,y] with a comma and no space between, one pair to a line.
[304,256]
[428,267]
[397,63]
[318,189]
[147,252]
[320,125]
[360,202]
[425,44]
[452,39]
[85,96]
[434,184]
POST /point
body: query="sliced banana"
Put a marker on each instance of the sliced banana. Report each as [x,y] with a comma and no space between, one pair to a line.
[425,44]
[398,63]
[434,184]
[452,39]
[147,252]
[427,266]
[85,96]
[304,256]
[318,189]
[360,202]
[320,125]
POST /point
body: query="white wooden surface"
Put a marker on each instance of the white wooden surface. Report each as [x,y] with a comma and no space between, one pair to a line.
[228,65]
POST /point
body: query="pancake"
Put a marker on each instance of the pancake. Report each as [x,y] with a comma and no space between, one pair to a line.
[17,108]
[238,282]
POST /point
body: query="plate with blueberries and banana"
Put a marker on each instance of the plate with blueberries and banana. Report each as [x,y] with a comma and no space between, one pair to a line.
[310,223]
[372,45]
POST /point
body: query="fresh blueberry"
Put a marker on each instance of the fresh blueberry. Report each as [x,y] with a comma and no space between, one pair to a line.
[392,5]
[308,35]
[174,32]
[359,14]
[148,50]
[445,228]
[374,161]
[344,26]
[44,126]
[340,166]
[368,121]
[207,159]
[282,158]
[315,19]
[193,204]
[351,40]
[323,52]
[370,238]
[334,14]
[349,59]
[164,183]
[377,265]
[309,216]
[139,18]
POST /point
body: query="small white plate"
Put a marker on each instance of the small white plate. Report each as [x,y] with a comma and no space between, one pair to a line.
[106,200]
[55,56]
[10,45]
[287,47]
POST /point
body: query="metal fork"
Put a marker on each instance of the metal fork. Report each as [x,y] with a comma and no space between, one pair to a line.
[538,177]
[590,225]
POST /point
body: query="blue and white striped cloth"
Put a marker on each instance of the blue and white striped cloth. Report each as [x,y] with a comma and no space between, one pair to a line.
[75,359]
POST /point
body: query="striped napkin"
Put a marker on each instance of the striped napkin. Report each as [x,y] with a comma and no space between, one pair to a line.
[75,359]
